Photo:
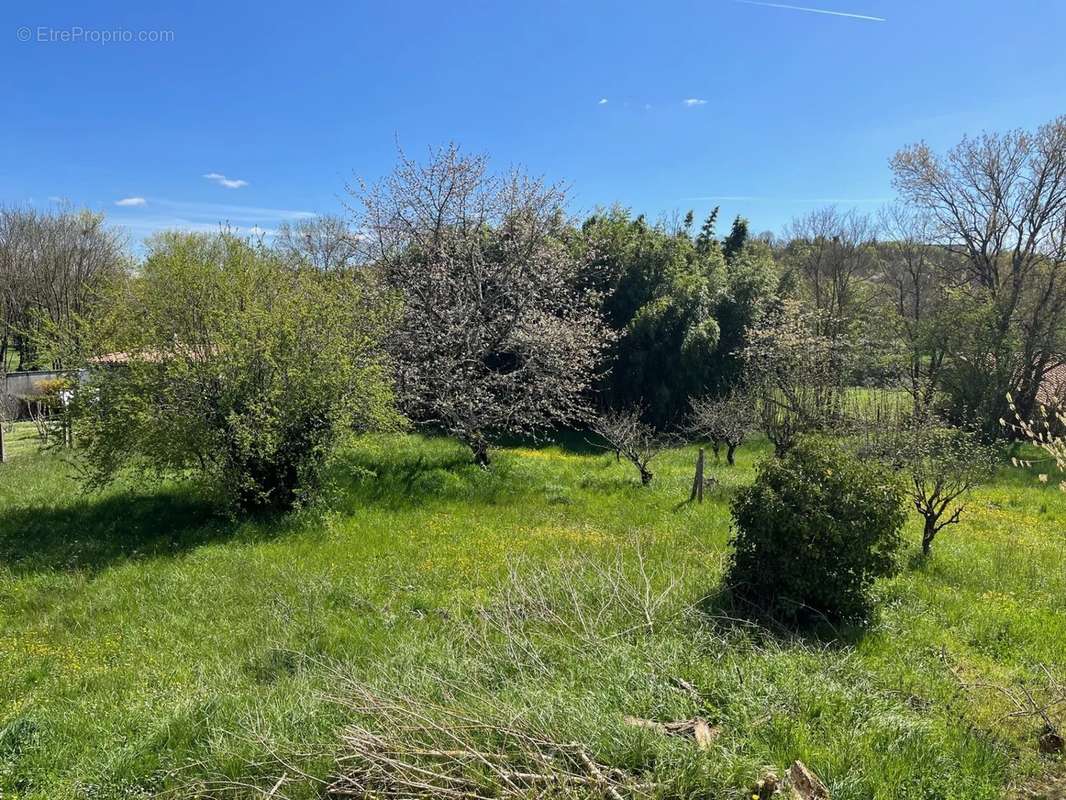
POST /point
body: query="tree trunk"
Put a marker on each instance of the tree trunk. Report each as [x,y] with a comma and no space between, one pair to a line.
[729,455]
[928,535]
[3,452]
[481,453]
[645,476]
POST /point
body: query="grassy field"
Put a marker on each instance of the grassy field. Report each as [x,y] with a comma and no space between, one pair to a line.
[21,441]
[148,645]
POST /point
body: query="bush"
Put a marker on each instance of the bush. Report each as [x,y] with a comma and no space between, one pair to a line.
[813,532]
[221,359]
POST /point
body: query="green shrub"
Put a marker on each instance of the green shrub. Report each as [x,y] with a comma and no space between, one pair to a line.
[813,532]
[220,359]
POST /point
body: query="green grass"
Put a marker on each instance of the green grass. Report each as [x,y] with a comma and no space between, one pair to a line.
[21,440]
[149,645]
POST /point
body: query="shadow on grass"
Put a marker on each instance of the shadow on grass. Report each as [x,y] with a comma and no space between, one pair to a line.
[407,479]
[610,484]
[569,440]
[727,609]
[92,533]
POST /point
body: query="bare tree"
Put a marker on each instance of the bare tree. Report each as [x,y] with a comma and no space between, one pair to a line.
[51,268]
[998,202]
[912,282]
[325,242]
[943,463]
[635,441]
[727,420]
[497,335]
[831,252]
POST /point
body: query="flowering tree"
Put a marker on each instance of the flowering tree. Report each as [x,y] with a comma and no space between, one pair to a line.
[797,375]
[1043,431]
[499,334]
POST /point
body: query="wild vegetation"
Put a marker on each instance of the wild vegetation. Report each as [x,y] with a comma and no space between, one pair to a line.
[222,359]
[351,512]
[149,644]
[498,333]
[813,532]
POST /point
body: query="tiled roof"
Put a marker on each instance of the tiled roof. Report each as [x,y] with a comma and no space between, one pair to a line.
[1053,387]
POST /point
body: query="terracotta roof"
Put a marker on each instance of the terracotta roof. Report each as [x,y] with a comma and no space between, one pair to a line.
[148,356]
[125,358]
[1053,387]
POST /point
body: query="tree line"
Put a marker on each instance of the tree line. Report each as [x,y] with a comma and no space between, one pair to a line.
[51,265]
[469,301]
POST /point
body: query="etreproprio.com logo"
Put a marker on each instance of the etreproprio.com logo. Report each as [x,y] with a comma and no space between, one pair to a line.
[76,34]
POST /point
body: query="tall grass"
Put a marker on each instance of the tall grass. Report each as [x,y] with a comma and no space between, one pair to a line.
[148,644]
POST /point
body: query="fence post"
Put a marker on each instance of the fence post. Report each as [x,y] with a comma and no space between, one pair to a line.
[697,482]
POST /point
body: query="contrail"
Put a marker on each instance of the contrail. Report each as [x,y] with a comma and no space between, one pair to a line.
[813,10]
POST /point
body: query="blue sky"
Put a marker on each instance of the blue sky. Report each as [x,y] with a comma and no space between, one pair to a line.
[253,113]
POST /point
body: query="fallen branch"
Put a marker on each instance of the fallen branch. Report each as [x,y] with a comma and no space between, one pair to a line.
[409,750]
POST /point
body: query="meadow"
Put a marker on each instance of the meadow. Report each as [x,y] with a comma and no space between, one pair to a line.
[151,646]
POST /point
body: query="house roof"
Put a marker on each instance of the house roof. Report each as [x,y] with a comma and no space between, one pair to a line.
[1053,387]
[110,359]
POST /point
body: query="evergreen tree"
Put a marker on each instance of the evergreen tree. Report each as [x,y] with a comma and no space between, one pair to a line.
[708,239]
[736,239]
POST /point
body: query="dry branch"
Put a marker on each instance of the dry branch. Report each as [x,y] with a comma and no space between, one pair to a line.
[408,750]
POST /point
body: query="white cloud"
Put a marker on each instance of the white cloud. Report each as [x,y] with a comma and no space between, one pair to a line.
[603,101]
[222,180]
[131,201]
[809,10]
[694,101]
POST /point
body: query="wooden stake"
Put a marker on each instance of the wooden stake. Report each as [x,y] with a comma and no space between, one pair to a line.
[697,482]
[699,477]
